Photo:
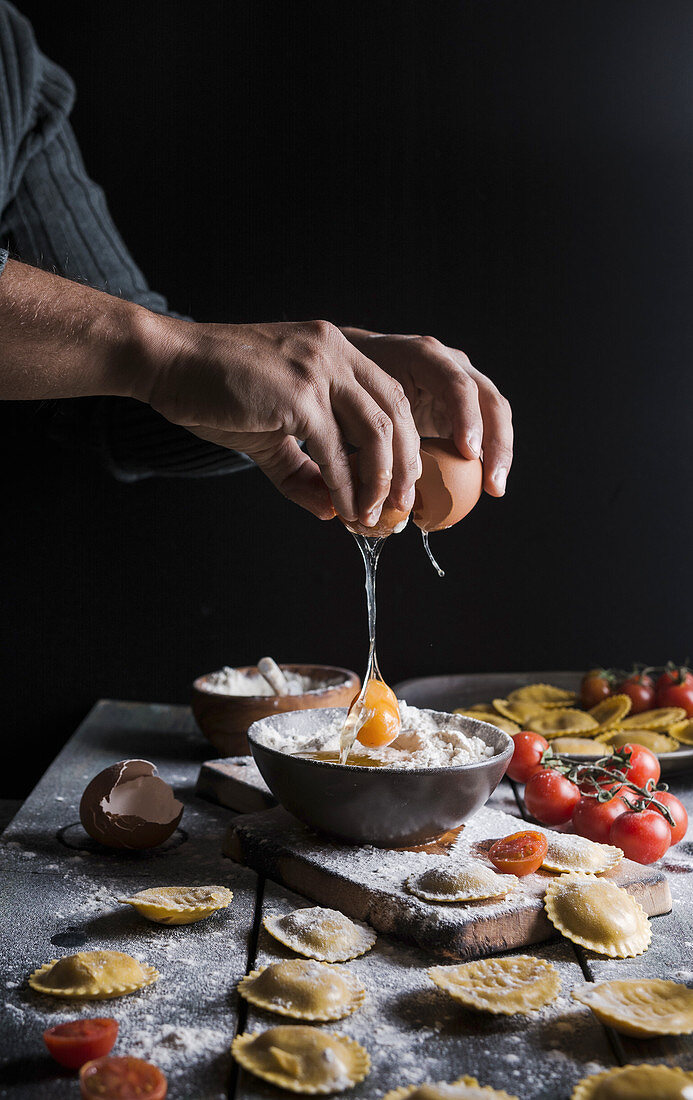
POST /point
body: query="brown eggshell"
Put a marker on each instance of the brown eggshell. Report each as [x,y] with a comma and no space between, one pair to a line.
[129,806]
[391,521]
[448,488]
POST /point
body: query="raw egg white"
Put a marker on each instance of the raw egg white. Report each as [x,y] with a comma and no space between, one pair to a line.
[129,806]
[448,488]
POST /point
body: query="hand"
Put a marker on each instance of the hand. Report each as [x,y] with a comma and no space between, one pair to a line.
[259,388]
[448,397]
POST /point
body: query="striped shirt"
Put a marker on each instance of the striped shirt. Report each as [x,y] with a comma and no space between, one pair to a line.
[53,216]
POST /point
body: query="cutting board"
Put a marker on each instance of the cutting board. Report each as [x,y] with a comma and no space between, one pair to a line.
[369,883]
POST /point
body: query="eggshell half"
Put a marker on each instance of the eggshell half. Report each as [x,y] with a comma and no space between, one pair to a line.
[448,488]
[128,805]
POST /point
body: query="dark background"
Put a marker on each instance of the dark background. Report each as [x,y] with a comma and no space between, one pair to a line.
[514,178]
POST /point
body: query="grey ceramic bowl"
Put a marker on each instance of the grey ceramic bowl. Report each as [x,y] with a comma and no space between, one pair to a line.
[387,807]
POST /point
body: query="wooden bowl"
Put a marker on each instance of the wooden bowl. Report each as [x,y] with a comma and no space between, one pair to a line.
[224,719]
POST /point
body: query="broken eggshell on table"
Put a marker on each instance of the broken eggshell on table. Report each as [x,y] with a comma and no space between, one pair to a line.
[127,805]
[448,488]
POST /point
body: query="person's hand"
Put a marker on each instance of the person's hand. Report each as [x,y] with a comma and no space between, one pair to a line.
[448,397]
[260,388]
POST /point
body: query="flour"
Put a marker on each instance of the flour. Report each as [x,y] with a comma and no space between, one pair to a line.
[230,681]
[428,739]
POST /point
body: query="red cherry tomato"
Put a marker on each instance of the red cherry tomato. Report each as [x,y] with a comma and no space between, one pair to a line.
[594,819]
[642,835]
[643,765]
[675,689]
[78,1041]
[597,684]
[640,690]
[550,797]
[519,854]
[677,811]
[526,755]
[121,1079]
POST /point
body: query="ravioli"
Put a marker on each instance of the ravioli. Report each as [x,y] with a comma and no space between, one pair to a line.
[609,712]
[519,712]
[641,1007]
[502,986]
[546,695]
[569,852]
[651,739]
[661,718]
[323,934]
[682,731]
[302,1058]
[472,881]
[92,975]
[304,989]
[598,914]
[642,1082]
[179,904]
[553,723]
[580,746]
[465,1088]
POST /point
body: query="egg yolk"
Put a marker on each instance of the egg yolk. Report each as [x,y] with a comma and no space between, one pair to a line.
[384,723]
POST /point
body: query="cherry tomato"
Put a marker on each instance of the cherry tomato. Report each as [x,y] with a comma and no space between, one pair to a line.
[677,811]
[640,690]
[675,689]
[597,684]
[550,797]
[643,765]
[121,1079]
[384,723]
[594,819]
[519,854]
[642,835]
[526,755]
[78,1041]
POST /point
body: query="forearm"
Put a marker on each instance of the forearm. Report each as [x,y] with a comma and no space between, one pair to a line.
[61,339]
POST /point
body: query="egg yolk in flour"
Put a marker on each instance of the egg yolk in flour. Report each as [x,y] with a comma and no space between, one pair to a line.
[384,723]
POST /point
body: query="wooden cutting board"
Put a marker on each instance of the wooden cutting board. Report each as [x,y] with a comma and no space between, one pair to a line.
[369,883]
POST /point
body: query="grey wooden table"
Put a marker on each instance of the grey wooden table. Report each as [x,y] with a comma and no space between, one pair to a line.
[59,894]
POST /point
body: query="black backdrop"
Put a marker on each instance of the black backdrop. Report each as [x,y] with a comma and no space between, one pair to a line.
[514,178]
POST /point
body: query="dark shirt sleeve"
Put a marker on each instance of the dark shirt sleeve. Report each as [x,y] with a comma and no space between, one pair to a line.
[53,216]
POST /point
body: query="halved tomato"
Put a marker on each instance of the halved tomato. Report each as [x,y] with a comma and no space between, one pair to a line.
[78,1041]
[121,1079]
[519,854]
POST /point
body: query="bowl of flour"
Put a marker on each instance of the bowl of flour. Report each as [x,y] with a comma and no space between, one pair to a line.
[439,771]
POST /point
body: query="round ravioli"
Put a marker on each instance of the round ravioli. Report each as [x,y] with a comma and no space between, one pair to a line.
[472,881]
[642,1082]
[93,975]
[611,711]
[465,1088]
[493,719]
[302,1058]
[323,934]
[563,720]
[517,983]
[661,718]
[304,989]
[179,904]
[545,695]
[598,914]
[682,731]
[655,742]
[518,712]
[569,852]
[641,1007]
[580,746]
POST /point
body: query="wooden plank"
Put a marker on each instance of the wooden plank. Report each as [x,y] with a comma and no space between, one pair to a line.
[234,782]
[59,899]
[368,884]
[413,1032]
